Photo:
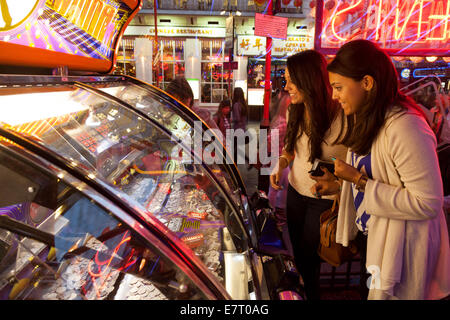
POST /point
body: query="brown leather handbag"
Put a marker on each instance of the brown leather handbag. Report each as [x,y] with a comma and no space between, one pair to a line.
[330,251]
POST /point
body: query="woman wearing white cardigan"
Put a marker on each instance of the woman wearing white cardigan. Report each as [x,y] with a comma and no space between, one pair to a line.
[391,187]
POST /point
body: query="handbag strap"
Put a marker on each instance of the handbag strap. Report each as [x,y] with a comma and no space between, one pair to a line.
[335,202]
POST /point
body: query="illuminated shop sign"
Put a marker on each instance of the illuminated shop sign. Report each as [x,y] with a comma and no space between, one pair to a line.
[176,31]
[86,28]
[402,27]
[255,46]
[440,72]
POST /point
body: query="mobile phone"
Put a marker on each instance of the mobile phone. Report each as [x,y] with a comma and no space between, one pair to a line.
[315,169]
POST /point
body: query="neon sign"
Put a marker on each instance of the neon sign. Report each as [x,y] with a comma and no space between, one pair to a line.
[437,71]
[100,270]
[402,27]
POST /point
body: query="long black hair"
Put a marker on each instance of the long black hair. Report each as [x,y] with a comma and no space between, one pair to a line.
[308,72]
[355,60]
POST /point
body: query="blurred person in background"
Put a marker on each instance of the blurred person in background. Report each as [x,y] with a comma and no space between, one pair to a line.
[182,91]
[239,110]
[239,117]
[222,118]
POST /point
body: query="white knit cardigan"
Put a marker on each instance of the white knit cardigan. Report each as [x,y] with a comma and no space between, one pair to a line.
[408,244]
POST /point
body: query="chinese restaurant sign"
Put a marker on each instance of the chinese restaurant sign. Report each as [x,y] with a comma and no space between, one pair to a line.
[256,46]
[401,27]
[85,28]
[176,31]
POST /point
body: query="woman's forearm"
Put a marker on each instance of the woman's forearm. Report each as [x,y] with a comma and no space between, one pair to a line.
[285,159]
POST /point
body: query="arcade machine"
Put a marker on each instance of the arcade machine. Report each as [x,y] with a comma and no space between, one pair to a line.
[105,190]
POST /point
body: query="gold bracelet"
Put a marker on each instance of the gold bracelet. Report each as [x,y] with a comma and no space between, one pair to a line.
[359,178]
[361,183]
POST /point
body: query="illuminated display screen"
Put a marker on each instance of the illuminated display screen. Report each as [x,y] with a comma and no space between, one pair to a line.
[255,97]
[85,28]
[195,86]
[241,84]
[95,140]
[402,27]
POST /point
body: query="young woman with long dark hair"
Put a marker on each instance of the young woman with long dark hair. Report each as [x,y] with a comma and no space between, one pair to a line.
[222,118]
[391,184]
[239,116]
[239,109]
[314,125]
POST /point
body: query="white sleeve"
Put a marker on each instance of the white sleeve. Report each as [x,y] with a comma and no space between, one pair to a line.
[412,147]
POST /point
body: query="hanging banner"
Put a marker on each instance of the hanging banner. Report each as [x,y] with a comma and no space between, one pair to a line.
[270,26]
[229,33]
[401,27]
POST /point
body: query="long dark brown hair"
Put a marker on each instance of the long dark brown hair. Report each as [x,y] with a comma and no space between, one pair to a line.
[355,60]
[238,96]
[308,72]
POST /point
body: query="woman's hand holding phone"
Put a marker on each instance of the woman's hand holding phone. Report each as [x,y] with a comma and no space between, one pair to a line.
[325,185]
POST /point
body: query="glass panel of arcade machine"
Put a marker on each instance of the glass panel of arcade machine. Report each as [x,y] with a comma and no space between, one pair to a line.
[164,114]
[57,244]
[114,144]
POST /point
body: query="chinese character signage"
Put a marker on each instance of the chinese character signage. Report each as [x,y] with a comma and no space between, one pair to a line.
[402,27]
[256,46]
[83,28]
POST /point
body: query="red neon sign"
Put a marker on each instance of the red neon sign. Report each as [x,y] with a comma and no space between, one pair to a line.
[100,270]
[402,27]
